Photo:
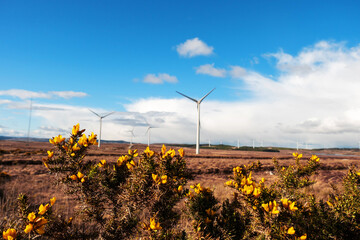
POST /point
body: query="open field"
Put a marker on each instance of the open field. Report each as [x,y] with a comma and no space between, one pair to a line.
[23,162]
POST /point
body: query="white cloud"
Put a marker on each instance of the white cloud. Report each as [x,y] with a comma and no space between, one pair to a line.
[209,69]
[160,78]
[194,47]
[314,100]
[25,94]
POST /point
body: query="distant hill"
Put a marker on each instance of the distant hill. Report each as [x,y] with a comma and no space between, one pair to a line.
[25,139]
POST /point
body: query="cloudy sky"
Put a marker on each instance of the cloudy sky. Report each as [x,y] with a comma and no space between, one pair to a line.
[285,72]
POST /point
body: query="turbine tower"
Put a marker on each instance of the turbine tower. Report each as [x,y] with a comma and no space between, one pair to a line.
[100,117]
[198,117]
[148,133]
[132,135]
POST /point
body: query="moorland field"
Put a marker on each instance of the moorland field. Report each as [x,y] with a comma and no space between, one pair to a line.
[22,161]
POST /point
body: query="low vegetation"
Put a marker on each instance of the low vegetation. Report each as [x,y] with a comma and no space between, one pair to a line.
[145,196]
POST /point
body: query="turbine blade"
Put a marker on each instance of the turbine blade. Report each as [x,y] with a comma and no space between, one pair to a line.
[107,114]
[94,113]
[148,129]
[187,97]
[205,96]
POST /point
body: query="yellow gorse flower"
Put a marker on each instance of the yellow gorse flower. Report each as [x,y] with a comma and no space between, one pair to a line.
[288,204]
[297,155]
[43,209]
[29,227]
[57,140]
[122,159]
[270,207]
[303,237]
[9,234]
[75,129]
[315,158]
[181,152]
[154,225]
[163,149]
[50,154]
[80,175]
[92,139]
[102,163]
[83,141]
[291,231]
[133,153]
[31,216]
[130,165]
[148,152]
[257,192]
[229,183]
[52,201]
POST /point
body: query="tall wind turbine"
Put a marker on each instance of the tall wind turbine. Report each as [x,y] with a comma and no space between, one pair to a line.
[100,117]
[148,133]
[198,118]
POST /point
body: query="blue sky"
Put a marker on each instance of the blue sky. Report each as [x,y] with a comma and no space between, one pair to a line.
[131,57]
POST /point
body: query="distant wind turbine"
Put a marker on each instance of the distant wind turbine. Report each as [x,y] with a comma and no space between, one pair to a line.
[131,138]
[100,117]
[148,133]
[198,118]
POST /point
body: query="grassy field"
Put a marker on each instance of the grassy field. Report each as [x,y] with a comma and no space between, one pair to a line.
[212,168]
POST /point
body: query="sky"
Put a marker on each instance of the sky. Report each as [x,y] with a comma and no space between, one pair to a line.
[285,72]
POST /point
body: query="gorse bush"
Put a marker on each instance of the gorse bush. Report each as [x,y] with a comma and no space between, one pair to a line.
[140,196]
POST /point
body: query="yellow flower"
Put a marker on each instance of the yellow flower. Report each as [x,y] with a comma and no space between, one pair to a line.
[285,203]
[57,140]
[133,153]
[163,149]
[50,154]
[52,201]
[82,180]
[292,207]
[46,165]
[257,192]
[31,216]
[297,155]
[122,159]
[315,158]
[102,163]
[163,179]
[43,209]
[80,175]
[9,234]
[291,231]
[303,237]
[155,177]
[180,188]
[229,183]
[181,152]
[248,189]
[73,177]
[92,139]
[270,207]
[148,152]
[330,204]
[75,147]
[75,129]
[130,165]
[153,225]
[29,228]
[83,141]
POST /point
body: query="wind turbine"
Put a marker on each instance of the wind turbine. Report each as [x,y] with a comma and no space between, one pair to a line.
[148,133]
[132,135]
[198,117]
[100,117]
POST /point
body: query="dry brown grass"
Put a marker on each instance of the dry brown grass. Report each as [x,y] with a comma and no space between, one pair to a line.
[23,162]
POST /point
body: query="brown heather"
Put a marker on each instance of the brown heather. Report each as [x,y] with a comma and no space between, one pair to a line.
[24,173]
